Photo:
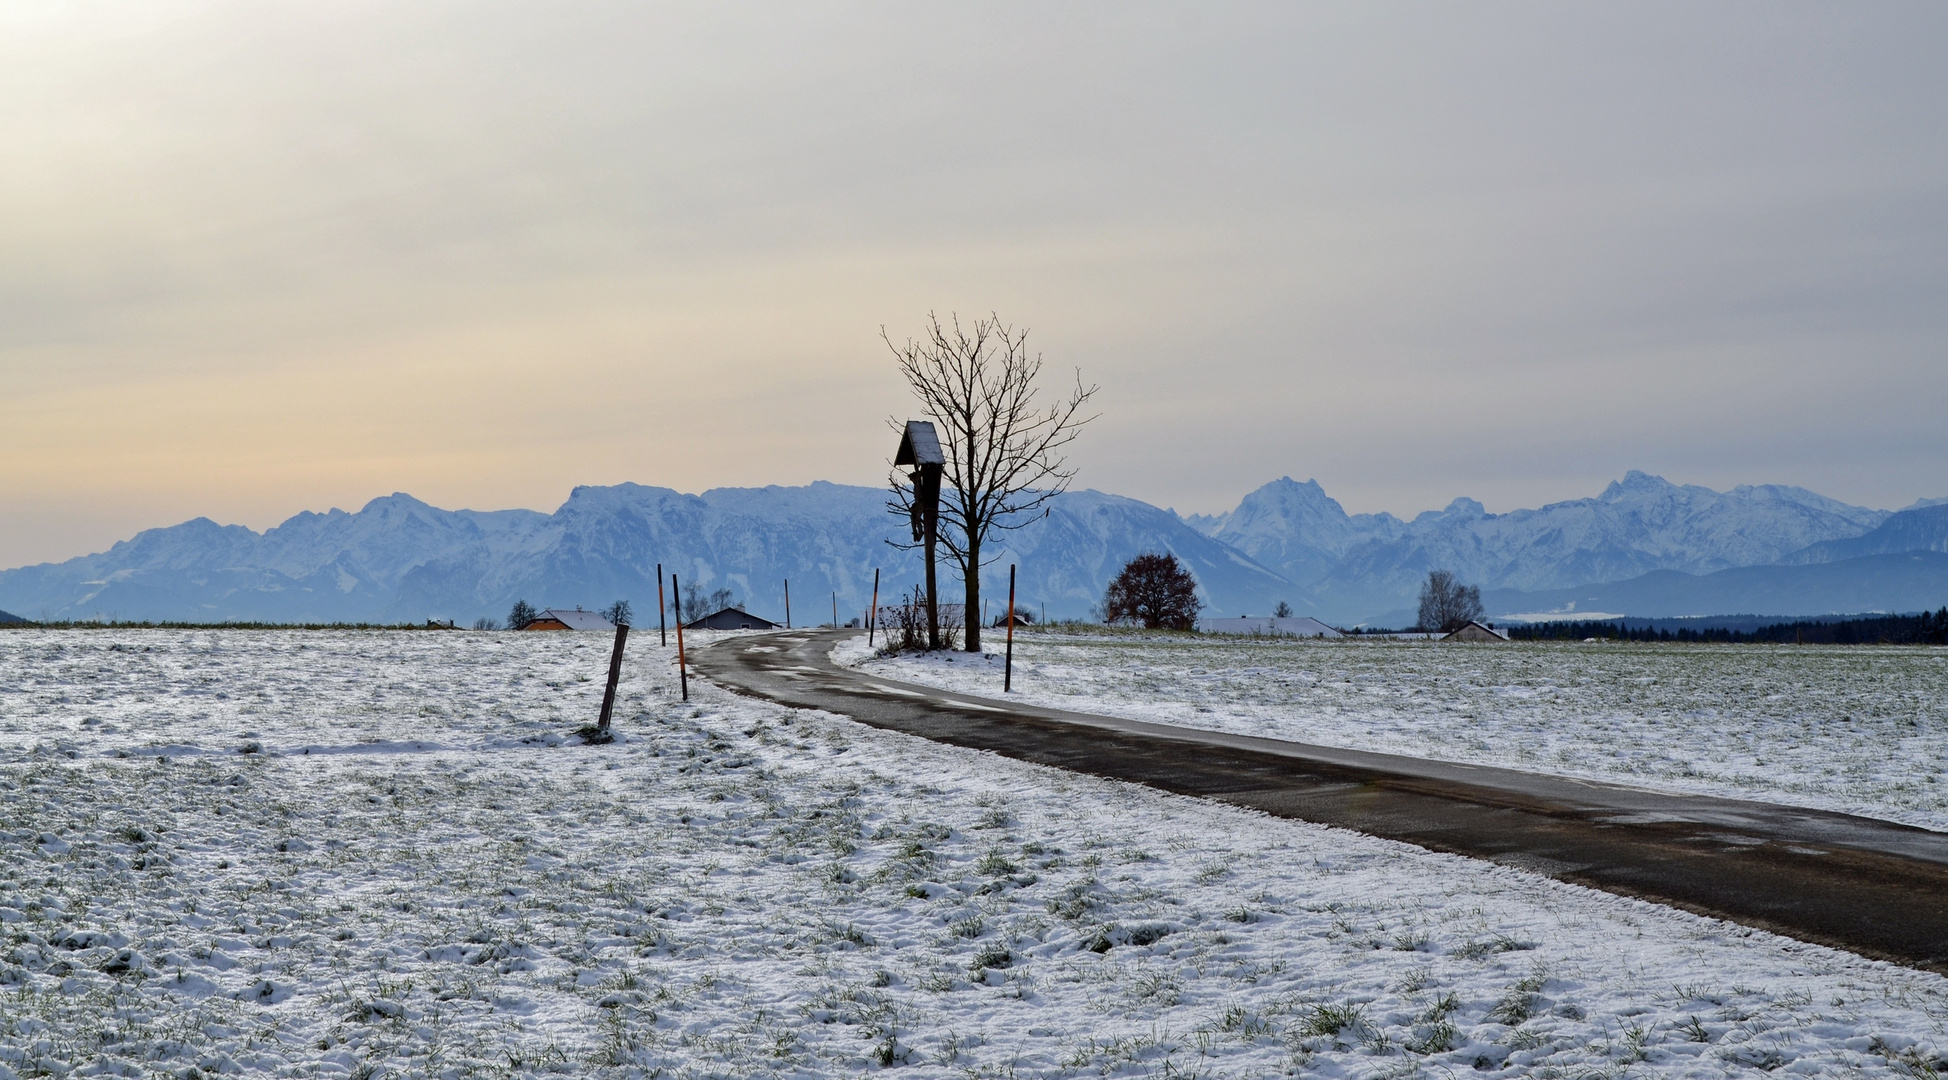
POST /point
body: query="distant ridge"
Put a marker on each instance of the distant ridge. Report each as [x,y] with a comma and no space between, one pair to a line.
[1896,583]
[1643,547]
[9,617]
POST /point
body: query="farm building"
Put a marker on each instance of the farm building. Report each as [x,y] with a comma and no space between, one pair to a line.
[555,619]
[1269,626]
[1474,631]
[731,618]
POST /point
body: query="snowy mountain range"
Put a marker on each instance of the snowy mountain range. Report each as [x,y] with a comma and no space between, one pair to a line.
[1689,549]
[1374,563]
[399,559]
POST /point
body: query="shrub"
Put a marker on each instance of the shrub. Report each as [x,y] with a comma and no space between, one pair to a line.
[520,615]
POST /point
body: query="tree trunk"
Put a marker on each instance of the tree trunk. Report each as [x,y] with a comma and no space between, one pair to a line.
[972,576]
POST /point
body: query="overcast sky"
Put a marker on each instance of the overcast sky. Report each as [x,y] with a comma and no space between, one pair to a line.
[258,258]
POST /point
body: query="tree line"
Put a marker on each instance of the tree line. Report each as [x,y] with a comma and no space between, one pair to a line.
[1926,628]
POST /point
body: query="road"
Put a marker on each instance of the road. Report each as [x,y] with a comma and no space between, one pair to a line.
[1868,886]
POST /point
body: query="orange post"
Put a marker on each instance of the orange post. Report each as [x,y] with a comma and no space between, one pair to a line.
[682,676]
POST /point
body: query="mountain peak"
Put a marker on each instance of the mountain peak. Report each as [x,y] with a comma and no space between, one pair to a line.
[396,500]
[1635,481]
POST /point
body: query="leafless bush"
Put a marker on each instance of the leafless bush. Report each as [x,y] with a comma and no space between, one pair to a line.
[905,621]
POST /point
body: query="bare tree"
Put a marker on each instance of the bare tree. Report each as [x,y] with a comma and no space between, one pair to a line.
[520,615]
[1154,590]
[619,613]
[699,603]
[1003,450]
[1446,604]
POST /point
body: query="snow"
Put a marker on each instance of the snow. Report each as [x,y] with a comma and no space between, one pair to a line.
[362,854]
[1849,728]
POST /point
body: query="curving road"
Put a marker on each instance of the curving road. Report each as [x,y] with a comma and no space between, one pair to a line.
[1869,886]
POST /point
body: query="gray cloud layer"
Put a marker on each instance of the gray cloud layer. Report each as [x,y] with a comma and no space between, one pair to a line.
[255,258]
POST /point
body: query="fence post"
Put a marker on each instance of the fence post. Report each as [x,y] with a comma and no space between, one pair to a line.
[682,676]
[1008,671]
[662,627]
[787,603]
[615,672]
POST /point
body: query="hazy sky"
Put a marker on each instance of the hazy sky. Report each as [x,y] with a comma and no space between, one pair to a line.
[257,258]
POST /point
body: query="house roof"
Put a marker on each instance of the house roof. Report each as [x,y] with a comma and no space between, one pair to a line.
[730,618]
[576,619]
[1288,626]
[919,445]
[1474,631]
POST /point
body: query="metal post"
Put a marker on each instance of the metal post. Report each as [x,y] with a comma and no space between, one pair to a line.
[615,672]
[872,613]
[787,603]
[682,676]
[662,628]
[835,611]
[1008,672]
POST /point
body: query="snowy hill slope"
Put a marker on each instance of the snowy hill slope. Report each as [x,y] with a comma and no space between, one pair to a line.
[1923,528]
[399,559]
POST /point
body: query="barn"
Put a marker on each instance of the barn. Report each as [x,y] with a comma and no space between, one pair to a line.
[556,619]
[731,618]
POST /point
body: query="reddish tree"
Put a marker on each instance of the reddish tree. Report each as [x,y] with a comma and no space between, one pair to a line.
[1154,590]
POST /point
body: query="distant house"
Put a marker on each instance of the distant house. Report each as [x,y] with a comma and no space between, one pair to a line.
[1269,626]
[1474,631]
[731,618]
[556,619]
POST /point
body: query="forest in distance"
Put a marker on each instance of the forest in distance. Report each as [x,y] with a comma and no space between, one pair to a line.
[1925,628]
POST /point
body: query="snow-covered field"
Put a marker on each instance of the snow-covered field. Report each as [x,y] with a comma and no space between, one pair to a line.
[292,853]
[1858,729]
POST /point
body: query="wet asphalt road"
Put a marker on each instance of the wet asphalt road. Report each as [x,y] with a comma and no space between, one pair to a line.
[1869,886]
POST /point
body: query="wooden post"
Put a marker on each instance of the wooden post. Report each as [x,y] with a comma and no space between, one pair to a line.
[682,676]
[615,672]
[929,491]
[872,613]
[787,603]
[662,627]
[1008,672]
